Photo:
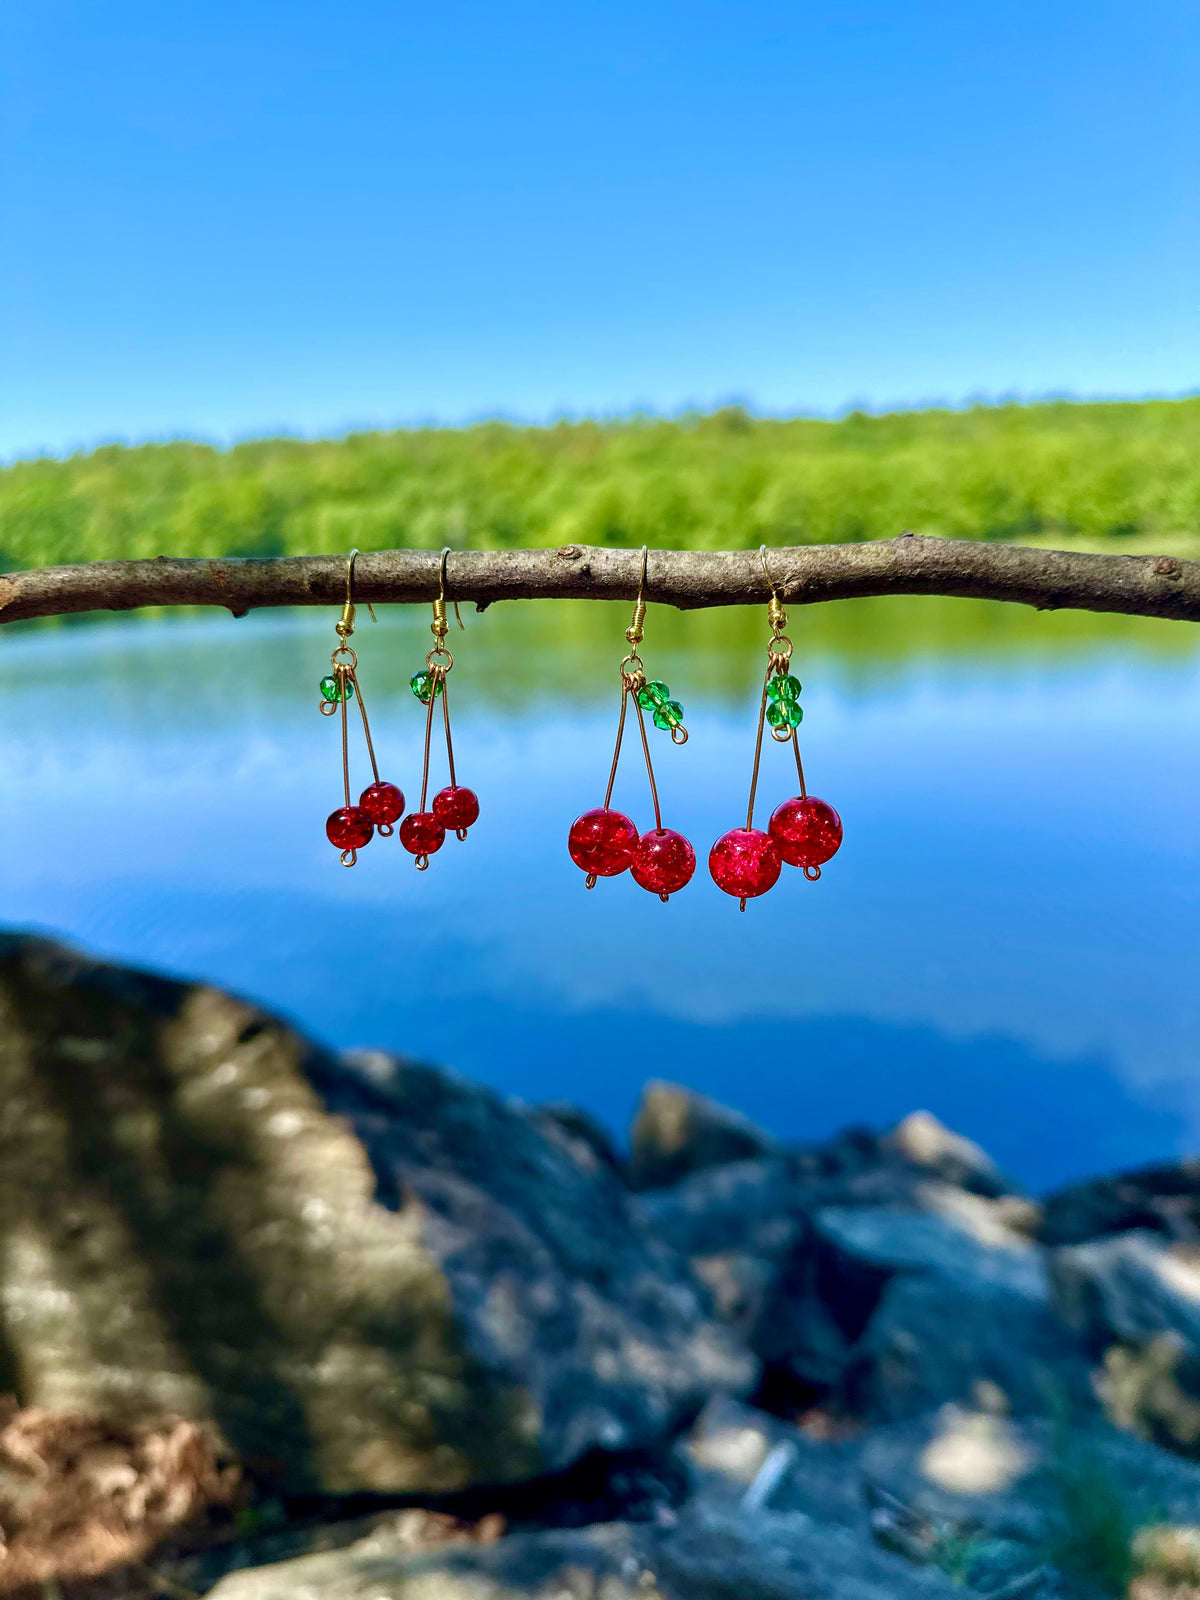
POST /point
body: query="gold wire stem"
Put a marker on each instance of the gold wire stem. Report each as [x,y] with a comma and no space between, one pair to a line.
[343,678]
[362,711]
[612,776]
[433,687]
[799,765]
[762,714]
[449,739]
[649,764]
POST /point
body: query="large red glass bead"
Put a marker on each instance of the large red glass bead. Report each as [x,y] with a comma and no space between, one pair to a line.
[744,862]
[349,829]
[806,831]
[663,861]
[421,833]
[456,808]
[382,802]
[602,842]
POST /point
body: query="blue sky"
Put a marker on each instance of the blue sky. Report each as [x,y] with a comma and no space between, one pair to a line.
[229,219]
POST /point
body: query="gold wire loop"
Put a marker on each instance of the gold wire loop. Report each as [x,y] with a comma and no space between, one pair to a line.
[635,632]
[440,627]
[439,660]
[679,734]
[633,672]
[812,873]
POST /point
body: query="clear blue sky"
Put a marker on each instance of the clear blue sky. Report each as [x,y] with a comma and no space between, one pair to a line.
[228,219]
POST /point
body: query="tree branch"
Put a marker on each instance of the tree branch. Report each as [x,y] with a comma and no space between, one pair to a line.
[1151,586]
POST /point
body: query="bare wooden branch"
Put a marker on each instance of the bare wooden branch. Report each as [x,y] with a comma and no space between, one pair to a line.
[1151,586]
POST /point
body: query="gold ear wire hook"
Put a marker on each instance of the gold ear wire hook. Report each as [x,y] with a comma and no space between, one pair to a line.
[440,626]
[634,633]
[345,627]
[776,615]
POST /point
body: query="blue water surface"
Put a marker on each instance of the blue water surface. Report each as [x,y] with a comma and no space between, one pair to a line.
[1007,938]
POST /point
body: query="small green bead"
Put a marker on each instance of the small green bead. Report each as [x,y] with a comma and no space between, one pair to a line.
[651,695]
[331,691]
[668,715]
[784,714]
[784,687]
[421,688]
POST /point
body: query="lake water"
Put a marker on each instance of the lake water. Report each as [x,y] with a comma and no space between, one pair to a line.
[1008,936]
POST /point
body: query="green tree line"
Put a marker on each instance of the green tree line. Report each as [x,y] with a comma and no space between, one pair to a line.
[1059,470]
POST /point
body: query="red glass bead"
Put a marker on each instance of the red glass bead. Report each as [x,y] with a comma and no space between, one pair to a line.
[663,861]
[382,802]
[806,831]
[421,833]
[602,842]
[350,828]
[456,808]
[744,862]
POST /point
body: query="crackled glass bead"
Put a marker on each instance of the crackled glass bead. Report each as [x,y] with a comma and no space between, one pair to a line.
[783,687]
[668,715]
[653,694]
[382,802]
[420,683]
[663,861]
[784,714]
[456,808]
[349,828]
[806,831]
[602,842]
[421,833]
[745,863]
[331,689]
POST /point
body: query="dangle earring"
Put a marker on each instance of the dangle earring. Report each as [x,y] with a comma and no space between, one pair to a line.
[803,831]
[380,804]
[422,832]
[604,842]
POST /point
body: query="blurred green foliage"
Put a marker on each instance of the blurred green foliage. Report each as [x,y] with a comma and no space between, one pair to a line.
[1090,471]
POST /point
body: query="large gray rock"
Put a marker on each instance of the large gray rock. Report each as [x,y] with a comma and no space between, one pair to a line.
[677,1131]
[1134,1299]
[709,1554]
[964,1310]
[360,1276]
[1160,1199]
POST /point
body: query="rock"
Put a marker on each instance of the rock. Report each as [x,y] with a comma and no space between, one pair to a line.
[1134,1299]
[707,1555]
[677,1131]
[954,1317]
[357,1275]
[1161,1199]
[925,1142]
[1128,1289]
[587,1138]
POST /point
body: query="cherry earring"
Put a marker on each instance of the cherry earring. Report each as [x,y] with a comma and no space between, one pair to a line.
[380,804]
[603,842]
[803,831]
[423,833]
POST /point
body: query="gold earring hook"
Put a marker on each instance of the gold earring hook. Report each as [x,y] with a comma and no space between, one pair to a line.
[345,627]
[634,633]
[440,626]
[776,615]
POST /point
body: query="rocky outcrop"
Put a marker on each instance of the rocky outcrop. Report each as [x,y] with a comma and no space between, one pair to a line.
[677,1131]
[360,1274]
[1160,1199]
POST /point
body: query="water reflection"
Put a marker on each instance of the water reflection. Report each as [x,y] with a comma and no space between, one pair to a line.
[1007,936]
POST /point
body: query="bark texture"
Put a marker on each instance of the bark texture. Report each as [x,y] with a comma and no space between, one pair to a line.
[1152,586]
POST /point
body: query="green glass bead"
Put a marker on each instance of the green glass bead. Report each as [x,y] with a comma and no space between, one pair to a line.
[668,715]
[652,695]
[331,692]
[784,714]
[784,687]
[421,688]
